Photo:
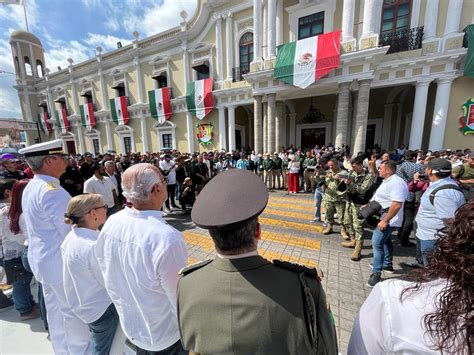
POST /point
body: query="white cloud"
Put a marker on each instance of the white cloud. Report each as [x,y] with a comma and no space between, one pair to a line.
[107,42]
[58,54]
[15,15]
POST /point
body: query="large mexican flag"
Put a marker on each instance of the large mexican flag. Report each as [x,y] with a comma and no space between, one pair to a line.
[118,108]
[63,122]
[199,97]
[469,63]
[43,119]
[303,62]
[87,114]
[160,104]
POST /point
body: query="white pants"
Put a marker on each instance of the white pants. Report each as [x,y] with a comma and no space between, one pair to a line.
[69,335]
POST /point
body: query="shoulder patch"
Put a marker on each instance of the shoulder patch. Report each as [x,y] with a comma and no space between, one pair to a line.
[298,268]
[189,269]
[51,186]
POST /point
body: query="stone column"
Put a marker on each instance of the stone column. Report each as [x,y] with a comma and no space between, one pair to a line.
[292,138]
[438,125]
[229,46]
[144,130]
[370,32]
[222,134]
[50,103]
[279,120]
[231,114]
[257,123]
[189,117]
[271,122]
[279,23]
[139,79]
[108,134]
[431,19]
[219,67]
[386,126]
[265,30]
[257,31]
[265,128]
[103,90]
[453,18]
[80,135]
[362,116]
[342,114]
[271,28]
[75,100]
[348,40]
[419,111]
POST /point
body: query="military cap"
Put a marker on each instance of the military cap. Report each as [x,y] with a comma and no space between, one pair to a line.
[46,148]
[230,198]
[439,165]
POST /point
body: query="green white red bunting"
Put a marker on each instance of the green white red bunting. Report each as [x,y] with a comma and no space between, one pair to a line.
[43,119]
[118,108]
[303,62]
[63,122]
[87,115]
[160,104]
[199,97]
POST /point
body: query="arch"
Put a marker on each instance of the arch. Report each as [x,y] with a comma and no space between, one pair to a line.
[39,68]
[28,68]
[245,52]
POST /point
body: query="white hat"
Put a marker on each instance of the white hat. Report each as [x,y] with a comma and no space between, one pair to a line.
[45,148]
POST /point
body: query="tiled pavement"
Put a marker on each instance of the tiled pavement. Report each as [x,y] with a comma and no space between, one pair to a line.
[288,234]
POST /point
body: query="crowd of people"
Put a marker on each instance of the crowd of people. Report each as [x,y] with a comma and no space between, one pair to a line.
[91,231]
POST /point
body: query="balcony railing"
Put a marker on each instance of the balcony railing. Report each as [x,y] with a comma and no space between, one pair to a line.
[238,72]
[402,40]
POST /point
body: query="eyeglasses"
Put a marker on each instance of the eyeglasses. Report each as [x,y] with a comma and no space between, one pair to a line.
[98,208]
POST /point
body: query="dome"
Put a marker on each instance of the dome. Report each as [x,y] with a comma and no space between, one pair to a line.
[25,36]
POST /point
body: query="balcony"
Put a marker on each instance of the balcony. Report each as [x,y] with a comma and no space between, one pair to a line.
[402,40]
[238,72]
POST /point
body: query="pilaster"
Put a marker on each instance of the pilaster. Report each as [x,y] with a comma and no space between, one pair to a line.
[257,123]
[362,116]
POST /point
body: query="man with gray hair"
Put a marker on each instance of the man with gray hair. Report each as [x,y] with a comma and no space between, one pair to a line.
[140,256]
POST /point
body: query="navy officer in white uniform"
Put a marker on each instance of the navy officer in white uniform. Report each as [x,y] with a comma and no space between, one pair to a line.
[44,204]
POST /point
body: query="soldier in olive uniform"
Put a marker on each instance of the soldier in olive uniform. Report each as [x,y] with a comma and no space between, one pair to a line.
[335,196]
[284,170]
[240,303]
[268,165]
[276,171]
[308,166]
[260,170]
[359,183]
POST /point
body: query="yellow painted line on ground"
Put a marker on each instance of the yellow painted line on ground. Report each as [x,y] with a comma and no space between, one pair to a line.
[290,225]
[199,240]
[270,255]
[292,200]
[192,260]
[291,206]
[292,240]
[290,214]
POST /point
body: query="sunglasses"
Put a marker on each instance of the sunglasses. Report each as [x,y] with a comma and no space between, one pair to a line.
[98,208]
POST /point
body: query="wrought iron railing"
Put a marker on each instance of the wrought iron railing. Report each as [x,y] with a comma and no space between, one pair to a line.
[402,40]
[238,72]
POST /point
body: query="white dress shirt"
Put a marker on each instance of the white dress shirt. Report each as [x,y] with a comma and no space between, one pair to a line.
[44,203]
[11,244]
[140,256]
[170,166]
[103,187]
[83,281]
[392,189]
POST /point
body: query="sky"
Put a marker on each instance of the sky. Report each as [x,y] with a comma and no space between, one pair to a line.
[74,28]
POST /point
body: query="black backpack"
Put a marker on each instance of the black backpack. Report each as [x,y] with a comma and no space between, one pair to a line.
[363,200]
[444,187]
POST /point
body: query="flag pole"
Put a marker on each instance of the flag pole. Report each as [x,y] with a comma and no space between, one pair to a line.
[26,17]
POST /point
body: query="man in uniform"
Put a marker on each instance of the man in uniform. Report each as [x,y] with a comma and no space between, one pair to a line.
[335,196]
[276,172]
[268,167]
[358,184]
[44,204]
[308,170]
[239,302]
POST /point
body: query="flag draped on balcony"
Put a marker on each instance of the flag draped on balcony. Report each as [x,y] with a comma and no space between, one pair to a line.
[199,97]
[469,64]
[87,115]
[303,62]
[160,104]
[63,122]
[43,119]
[118,108]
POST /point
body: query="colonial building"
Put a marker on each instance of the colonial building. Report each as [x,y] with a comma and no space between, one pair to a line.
[399,81]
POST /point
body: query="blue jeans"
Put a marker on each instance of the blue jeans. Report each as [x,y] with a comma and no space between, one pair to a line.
[22,296]
[383,248]
[318,198]
[103,331]
[427,247]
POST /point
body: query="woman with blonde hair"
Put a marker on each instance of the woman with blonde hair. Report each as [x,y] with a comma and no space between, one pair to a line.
[83,283]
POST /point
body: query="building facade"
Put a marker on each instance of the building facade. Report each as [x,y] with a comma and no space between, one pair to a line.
[400,80]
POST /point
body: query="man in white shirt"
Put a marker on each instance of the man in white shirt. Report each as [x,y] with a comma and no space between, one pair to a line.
[168,168]
[391,195]
[99,184]
[140,256]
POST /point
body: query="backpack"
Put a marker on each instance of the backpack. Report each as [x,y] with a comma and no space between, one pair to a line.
[444,187]
[467,190]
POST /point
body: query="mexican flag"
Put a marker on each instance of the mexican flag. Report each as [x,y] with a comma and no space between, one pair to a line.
[63,122]
[118,107]
[469,63]
[303,62]
[87,114]
[43,119]
[160,104]
[199,97]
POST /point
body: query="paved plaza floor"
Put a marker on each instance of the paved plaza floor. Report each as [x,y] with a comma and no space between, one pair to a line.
[288,234]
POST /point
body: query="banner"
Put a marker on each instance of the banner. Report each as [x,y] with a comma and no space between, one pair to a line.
[199,97]
[119,111]
[160,104]
[87,115]
[63,122]
[43,119]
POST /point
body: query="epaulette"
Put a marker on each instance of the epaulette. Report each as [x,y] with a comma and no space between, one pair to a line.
[51,186]
[189,269]
[314,272]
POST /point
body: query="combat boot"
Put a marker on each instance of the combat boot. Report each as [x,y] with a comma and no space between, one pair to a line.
[328,229]
[349,244]
[344,234]
[355,256]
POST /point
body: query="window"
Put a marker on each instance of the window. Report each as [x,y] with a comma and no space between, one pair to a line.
[245,52]
[312,25]
[161,80]
[167,140]
[119,90]
[39,68]
[127,142]
[395,16]
[202,71]
[28,66]
[96,146]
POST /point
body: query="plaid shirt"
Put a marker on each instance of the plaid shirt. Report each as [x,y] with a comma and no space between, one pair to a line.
[406,171]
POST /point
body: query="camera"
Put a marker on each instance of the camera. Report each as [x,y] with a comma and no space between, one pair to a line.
[422,176]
